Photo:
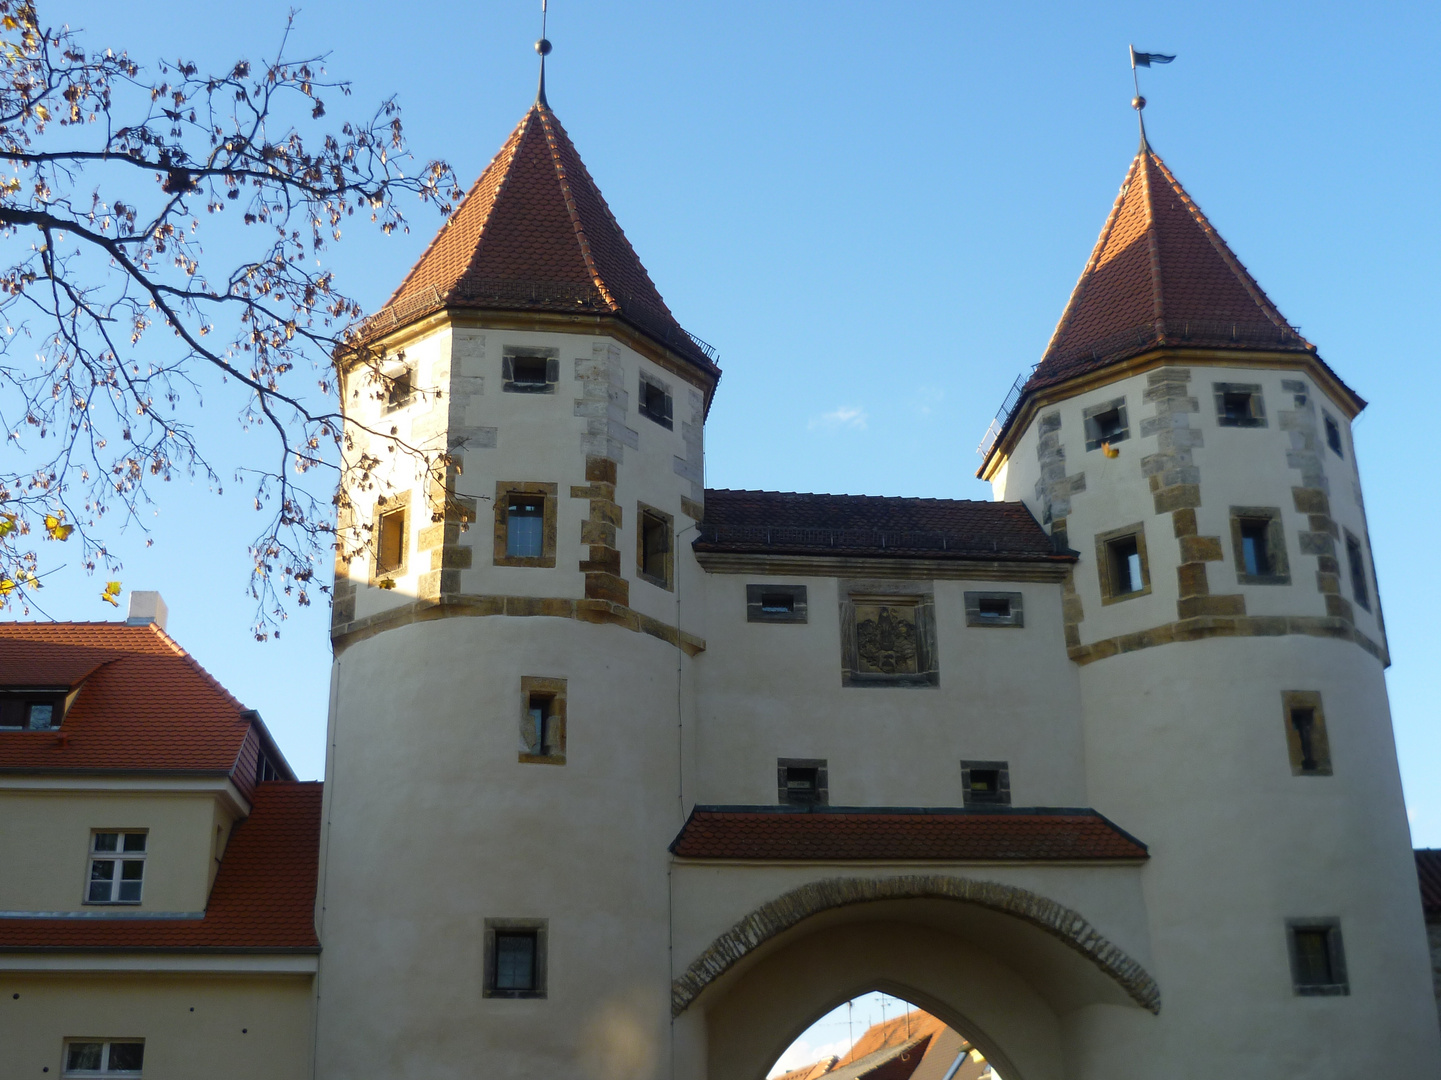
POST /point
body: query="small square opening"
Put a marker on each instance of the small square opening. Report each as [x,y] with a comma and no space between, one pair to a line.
[400,389]
[994,607]
[802,785]
[1108,425]
[1236,406]
[528,372]
[1124,554]
[985,784]
[778,603]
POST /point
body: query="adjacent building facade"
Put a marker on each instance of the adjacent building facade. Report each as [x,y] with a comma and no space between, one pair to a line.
[629,772]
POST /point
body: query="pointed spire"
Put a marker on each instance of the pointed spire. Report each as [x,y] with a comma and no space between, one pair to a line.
[543,48]
[535,234]
[1160,274]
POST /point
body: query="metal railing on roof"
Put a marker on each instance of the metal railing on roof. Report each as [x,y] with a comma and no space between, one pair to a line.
[1222,333]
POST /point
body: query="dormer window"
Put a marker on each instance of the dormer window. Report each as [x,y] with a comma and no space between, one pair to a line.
[38,711]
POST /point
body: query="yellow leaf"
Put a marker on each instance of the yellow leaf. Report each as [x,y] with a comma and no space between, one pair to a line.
[386,583]
[6,587]
[10,23]
[57,529]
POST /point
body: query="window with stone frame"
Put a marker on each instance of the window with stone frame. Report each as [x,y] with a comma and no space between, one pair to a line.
[528,370]
[656,401]
[1122,565]
[888,634]
[542,720]
[994,609]
[1333,433]
[985,783]
[1258,544]
[1318,959]
[392,538]
[1239,404]
[776,603]
[1356,564]
[1307,743]
[399,388]
[117,866]
[525,529]
[104,1057]
[802,782]
[515,958]
[1105,423]
[654,532]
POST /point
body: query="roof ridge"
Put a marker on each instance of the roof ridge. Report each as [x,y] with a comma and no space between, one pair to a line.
[546,116]
[1153,242]
[847,495]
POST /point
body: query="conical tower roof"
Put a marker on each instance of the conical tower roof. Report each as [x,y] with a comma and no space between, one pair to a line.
[1160,274]
[534,234]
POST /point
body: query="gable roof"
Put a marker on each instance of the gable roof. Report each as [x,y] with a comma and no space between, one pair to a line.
[535,234]
[144,704]
[891,834]
[798,523]
[1160,274]
[263,897]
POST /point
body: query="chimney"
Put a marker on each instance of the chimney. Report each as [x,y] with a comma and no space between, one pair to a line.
[147,607]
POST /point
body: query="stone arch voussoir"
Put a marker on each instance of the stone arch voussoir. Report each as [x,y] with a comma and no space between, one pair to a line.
[781,914]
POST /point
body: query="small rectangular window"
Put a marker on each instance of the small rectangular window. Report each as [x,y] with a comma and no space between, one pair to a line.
[542,720]
[525,527]
[95,1057]
[530,371]
[986,783]
[1306,740]
[265,770]
[117,868]
[1356,563]
[802,782]
[653,546]
[390,541]
[399,389]
[776,603]
[1121,555]
[1333,434]
[655,400]
[515,958]
[1105,423]
[1239,405]
[994,609]
[1259,546]
[1254,548]
[1318,961]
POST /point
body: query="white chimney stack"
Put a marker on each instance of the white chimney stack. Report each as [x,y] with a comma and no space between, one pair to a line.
[147,607]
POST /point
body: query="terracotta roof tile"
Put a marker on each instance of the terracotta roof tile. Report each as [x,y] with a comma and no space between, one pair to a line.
[785,522]
[1428,870]
[1159,274]
[263,897]
[144,703]
[825,834]
[535,234]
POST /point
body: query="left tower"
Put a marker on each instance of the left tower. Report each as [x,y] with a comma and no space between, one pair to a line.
[503,768]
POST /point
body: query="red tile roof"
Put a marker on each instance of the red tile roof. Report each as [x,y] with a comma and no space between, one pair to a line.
[534,234]
[1428,870]
[1160,274]
[783,522]
[263,897]
[144,704]
[825,834]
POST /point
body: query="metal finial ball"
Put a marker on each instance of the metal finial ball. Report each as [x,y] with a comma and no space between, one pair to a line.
[1138,103]
[543,47]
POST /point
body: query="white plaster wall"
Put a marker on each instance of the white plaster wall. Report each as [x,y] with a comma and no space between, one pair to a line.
[45,847]
[434,826]
[772,690]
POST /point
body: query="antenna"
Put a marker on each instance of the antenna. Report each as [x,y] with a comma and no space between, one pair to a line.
[543,47]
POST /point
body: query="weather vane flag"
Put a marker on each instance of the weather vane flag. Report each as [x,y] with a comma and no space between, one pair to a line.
[1145,60]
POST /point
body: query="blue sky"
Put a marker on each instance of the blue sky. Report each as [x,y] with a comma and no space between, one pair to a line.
[876,214]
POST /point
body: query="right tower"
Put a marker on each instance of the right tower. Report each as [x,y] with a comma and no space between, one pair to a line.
[1196,452]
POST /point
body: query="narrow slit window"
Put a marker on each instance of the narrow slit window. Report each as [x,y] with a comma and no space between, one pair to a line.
[525,527]
[1333,434]
[1306,739]
[1303,719]
[117,868]
[1356,563]
[1255,546]
[390,541]
[653,546]
[1124,555]
[541,708]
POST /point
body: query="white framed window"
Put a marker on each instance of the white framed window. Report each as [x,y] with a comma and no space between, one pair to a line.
[104,1057]
[117,867]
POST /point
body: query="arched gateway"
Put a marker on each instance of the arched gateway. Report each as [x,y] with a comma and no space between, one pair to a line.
[996,961]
